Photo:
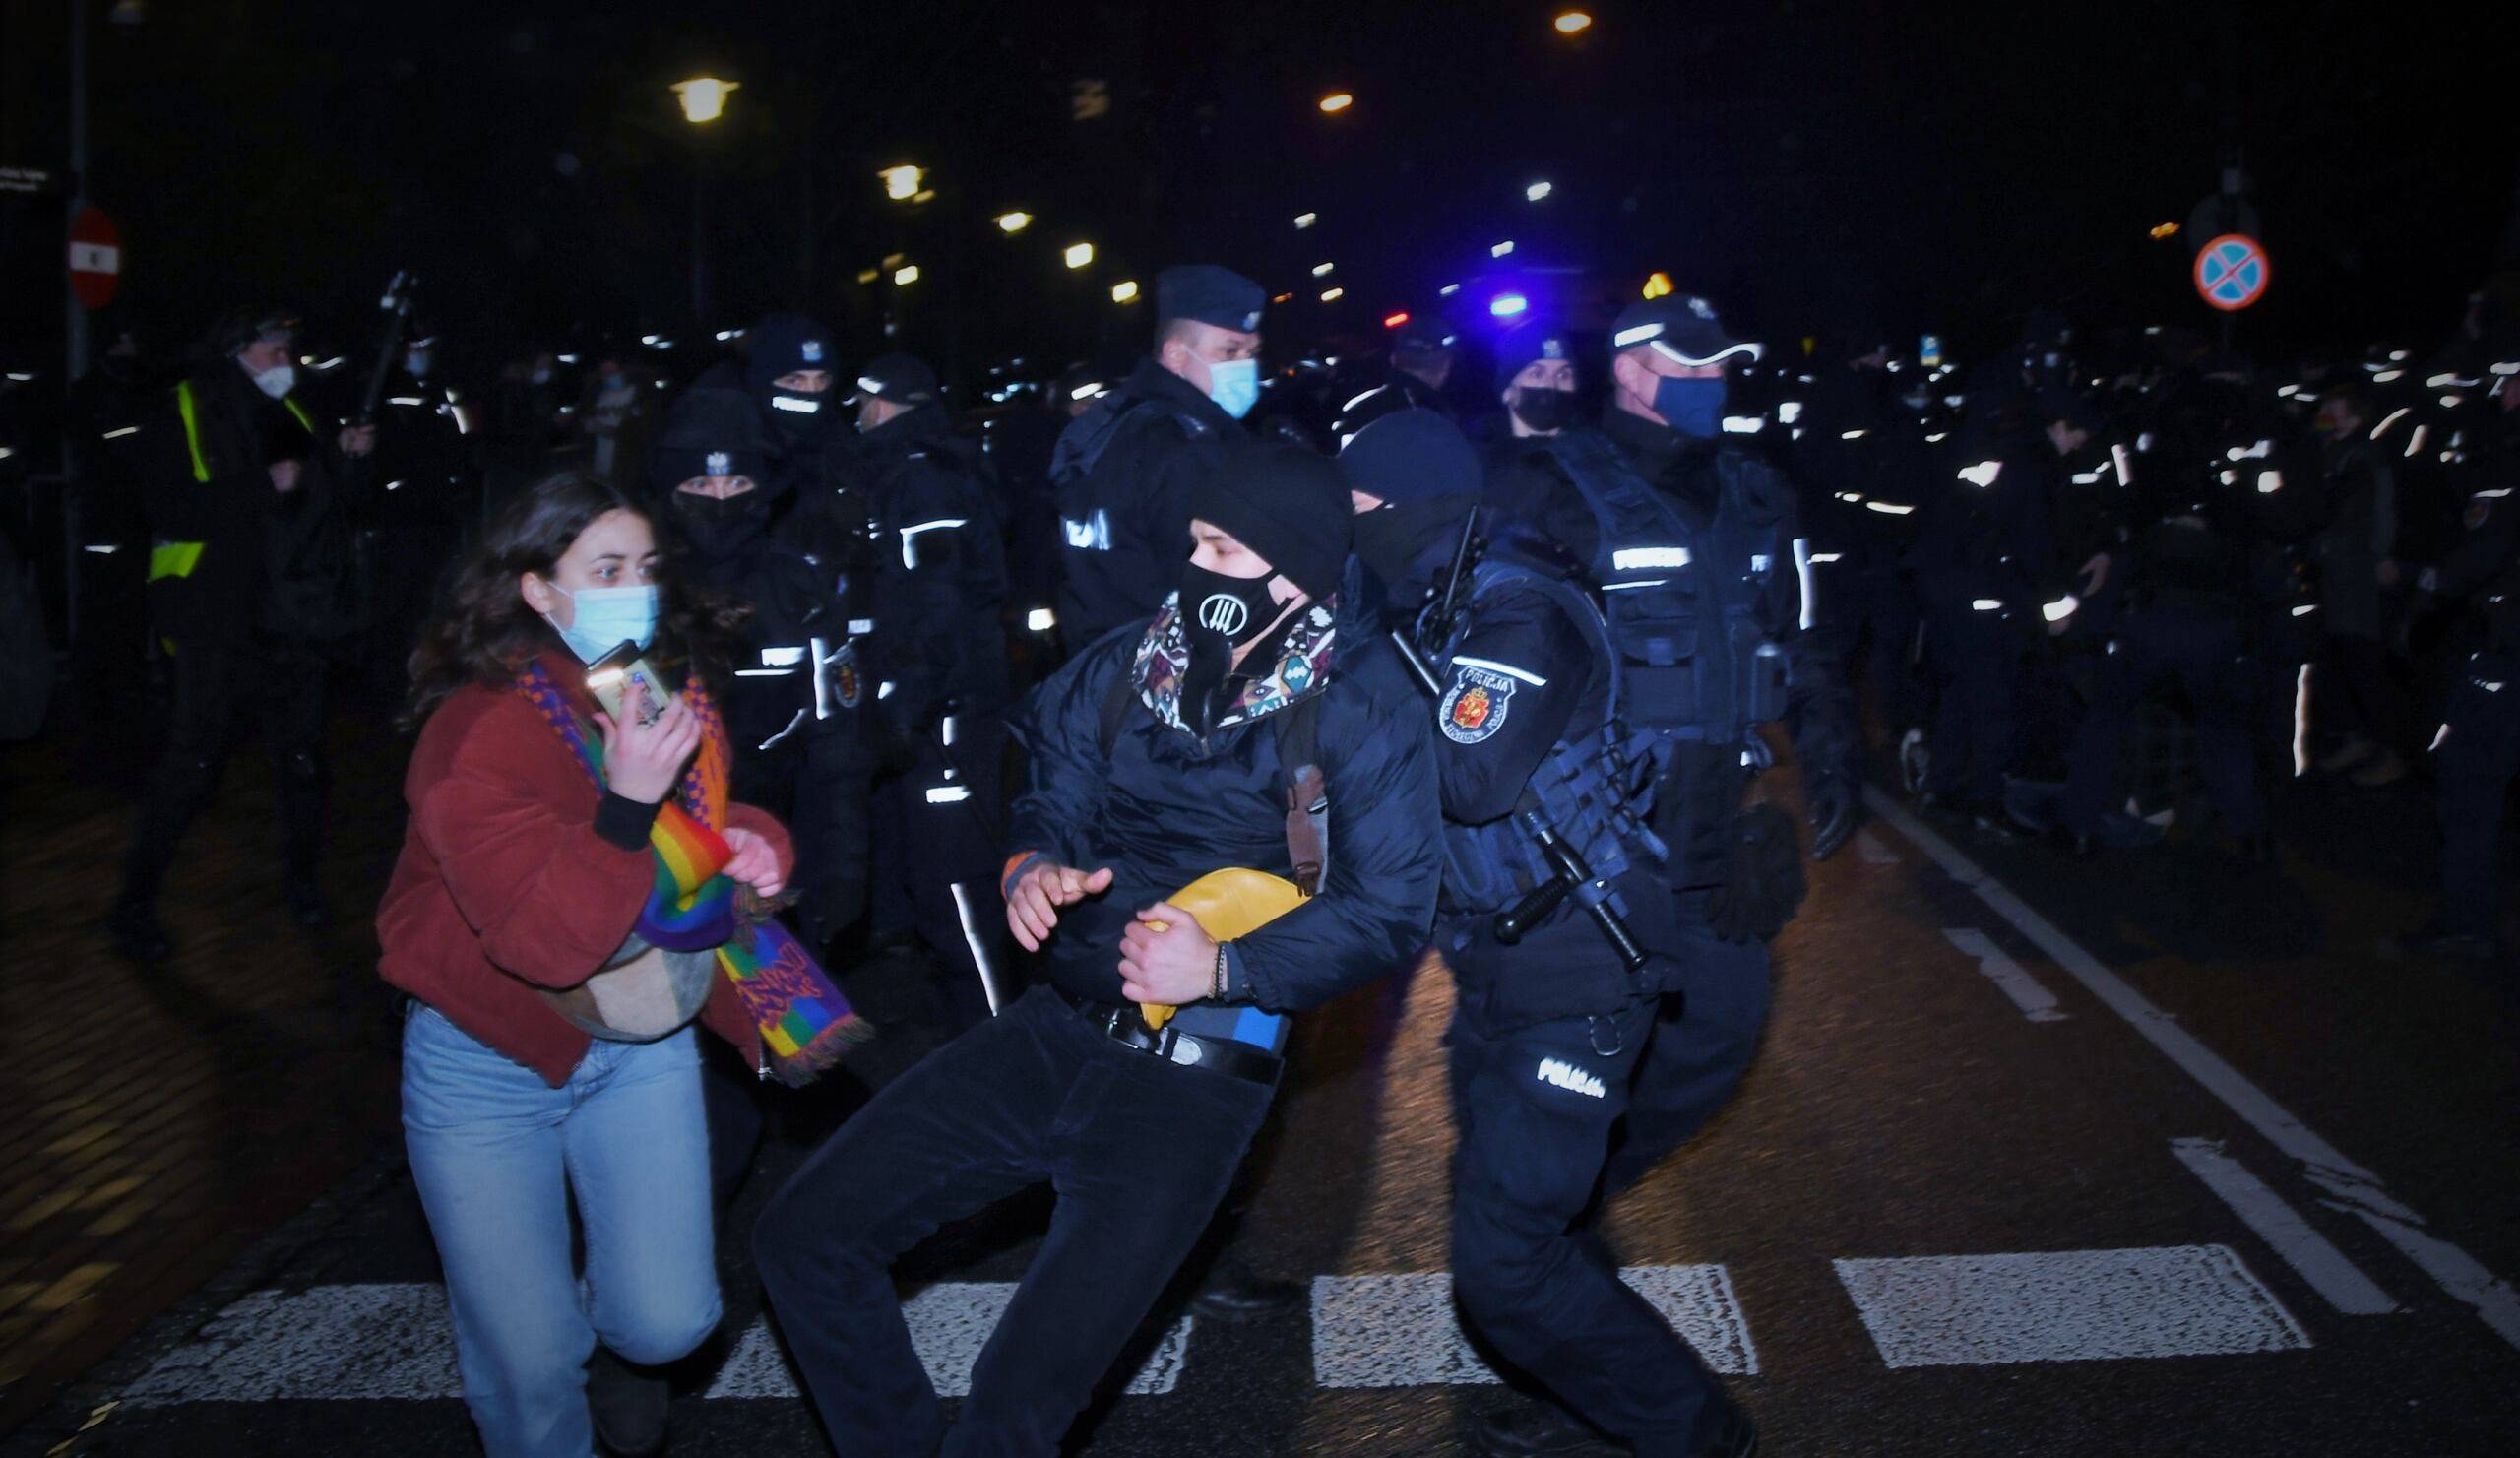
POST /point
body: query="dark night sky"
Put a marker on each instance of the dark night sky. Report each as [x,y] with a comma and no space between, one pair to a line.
[1807,163]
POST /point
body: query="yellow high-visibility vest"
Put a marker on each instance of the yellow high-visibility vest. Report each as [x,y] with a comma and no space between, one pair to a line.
[179,558]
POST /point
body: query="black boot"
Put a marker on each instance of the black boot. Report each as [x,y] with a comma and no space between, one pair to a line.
[628,1406]
[1537,1430]
[1234,1293]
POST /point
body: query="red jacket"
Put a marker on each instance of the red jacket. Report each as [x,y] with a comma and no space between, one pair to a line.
[504,886]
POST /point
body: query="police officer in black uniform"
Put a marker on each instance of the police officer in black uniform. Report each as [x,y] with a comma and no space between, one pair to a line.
[430,486]
[1422,354]
[1555,1013]
[1124,471]
[943,690]
[2478,750]
[248,493]
[1536,382]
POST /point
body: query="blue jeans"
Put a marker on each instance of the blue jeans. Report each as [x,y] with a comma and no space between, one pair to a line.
[497,1154]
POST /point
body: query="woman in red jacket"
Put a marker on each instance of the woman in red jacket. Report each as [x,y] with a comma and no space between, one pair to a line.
[524,875]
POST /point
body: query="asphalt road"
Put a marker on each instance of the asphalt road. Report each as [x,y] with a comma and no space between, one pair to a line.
[2151,1154]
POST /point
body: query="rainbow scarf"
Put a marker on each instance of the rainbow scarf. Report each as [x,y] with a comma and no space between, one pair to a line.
[805,1023]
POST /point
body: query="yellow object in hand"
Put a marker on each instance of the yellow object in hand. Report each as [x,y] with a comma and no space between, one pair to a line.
[1227,904]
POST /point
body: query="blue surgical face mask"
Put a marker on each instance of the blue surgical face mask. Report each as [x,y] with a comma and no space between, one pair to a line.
[606,618]
[1234,384]
[1692,408]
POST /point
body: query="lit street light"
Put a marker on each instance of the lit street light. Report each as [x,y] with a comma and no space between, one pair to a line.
[1333,296]
[1536,192]
[2165,231]
[1011,223]
[901,182]
[1573,21]
[1507,305]
[1306,219]
[1079,255]
[1337,101]
[1322,270]
[1125,292]
[906,276]
[1501,250]
[703,98]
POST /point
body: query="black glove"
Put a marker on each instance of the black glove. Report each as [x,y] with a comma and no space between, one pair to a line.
[1833,806]
[1763,877]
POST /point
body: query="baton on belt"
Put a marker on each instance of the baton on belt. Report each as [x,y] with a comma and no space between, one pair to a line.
[1573,876]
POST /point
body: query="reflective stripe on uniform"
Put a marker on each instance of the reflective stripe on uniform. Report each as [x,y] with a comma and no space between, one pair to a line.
[192,430]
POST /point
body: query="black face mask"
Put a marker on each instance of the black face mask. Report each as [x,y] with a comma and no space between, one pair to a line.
[1233,611]
[721,526]
[1402,542]
[1545,411]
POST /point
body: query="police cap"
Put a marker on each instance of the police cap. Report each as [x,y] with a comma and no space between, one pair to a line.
[1682,327]
[902,379]
[1425,334]
[1210,294]
[708,432]
[784,344]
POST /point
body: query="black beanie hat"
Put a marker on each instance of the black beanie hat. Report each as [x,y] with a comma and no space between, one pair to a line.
[705,429]
[783,345]
[1413,455]
[1285,503]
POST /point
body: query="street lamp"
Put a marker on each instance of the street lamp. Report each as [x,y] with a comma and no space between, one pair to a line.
[1012,223]
[1125,292]
[1536,192]
[901,182]
[1501,250]
[1306,219]
[1573,21]
[1337,101]
[1079,255]
[1333,296]
[906,276]
[1322,270]
[704,100]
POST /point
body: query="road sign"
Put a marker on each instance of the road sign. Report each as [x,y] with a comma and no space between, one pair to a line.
[95,257]
[25,179]
[2231,271]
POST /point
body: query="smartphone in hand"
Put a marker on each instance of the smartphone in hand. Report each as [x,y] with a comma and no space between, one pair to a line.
[611,678]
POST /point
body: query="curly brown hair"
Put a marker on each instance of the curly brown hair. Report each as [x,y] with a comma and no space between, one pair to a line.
[483,632]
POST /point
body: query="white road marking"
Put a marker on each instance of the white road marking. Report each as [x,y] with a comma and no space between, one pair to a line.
[2036,1002]
[1400,1330]
[2279,1224]
[2357,1191]
[1874,852]
[395,1342]
[2066,1305]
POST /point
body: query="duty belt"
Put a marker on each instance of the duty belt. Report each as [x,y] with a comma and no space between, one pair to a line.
[1122,1025]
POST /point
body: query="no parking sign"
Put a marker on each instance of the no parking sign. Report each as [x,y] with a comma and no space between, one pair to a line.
[2231,271]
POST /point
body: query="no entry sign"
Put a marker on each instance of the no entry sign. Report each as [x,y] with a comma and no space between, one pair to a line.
[2231,271]
[95,257]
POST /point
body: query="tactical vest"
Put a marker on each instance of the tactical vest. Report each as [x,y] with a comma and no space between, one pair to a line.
[1588,787]
[1697,664]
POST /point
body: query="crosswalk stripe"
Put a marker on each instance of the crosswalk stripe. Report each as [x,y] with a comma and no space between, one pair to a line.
[1400,1330]
[949,1323]
[2357,1191]
[2036,1002]
[2310,1254]
[2066,1305]
[394,1342]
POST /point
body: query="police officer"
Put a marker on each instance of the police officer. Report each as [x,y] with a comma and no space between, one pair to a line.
[248,494]
[1984,565]
[1422,352]
[1157,755]
[1536,382]
[431,475]
[1124,471]
[2478,750]
[943,690]
[1692,541]
[1554,1020]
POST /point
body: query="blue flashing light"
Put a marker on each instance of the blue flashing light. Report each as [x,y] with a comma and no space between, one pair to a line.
[1507,305]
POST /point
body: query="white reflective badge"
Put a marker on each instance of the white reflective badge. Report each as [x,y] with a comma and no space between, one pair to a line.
[811,352]
[719,463]
[1474,708]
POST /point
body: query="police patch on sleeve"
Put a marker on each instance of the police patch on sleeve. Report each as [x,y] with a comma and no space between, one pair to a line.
[1475,707]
